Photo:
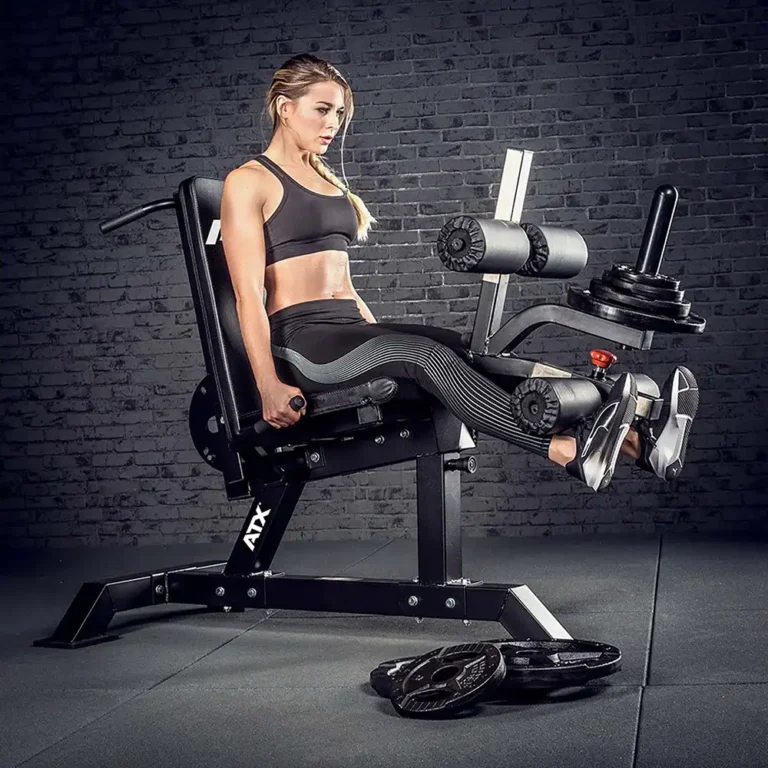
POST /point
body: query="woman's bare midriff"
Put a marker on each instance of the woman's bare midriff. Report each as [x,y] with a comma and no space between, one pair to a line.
[312,276]
[322,275]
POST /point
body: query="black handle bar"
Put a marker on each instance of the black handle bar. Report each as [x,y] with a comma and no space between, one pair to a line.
[136,213]
[261,426]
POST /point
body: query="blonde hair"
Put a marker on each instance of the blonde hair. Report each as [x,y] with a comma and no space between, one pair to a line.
[292,80]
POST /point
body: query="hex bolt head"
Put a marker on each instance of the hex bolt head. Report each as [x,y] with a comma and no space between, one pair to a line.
[413,601]
[251,593]
[450,603]
[159,589]
[404,434]
[220,591]
[379,439]
[314,457]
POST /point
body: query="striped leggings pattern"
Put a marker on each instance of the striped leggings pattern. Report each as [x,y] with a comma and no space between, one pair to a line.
[475,400]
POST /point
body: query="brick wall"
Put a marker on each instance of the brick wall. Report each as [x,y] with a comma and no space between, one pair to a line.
[107,105]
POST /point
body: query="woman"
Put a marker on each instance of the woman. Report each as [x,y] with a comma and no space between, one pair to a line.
[286,222]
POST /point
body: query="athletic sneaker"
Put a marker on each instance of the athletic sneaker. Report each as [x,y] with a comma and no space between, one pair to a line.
[663,441]
[599,439]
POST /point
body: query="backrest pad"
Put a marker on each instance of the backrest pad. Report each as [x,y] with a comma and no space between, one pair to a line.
[226,360]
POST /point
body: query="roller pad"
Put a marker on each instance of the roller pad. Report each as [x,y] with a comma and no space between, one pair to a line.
[546,406]
[556,252]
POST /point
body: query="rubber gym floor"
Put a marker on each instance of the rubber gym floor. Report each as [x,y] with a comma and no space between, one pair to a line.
[187,687]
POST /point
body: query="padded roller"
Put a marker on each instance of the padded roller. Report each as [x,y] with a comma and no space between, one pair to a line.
[556,252]
[548,406]
[483,245]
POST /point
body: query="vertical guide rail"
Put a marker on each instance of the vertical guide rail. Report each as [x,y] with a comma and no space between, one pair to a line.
[509,207]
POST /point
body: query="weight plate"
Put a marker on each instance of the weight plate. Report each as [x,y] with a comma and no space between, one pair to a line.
[638,289]
[652,306]
[625,272]
[552,664]
[381,677]
[447,680]
[583,300]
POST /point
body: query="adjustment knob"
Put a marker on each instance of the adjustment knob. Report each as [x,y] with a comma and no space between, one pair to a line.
[464,464]
[602,360]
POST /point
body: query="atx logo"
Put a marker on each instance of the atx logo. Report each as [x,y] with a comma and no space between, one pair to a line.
[213,232]
[255,527]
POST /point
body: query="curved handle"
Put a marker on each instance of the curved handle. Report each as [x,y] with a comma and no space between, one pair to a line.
[137,213]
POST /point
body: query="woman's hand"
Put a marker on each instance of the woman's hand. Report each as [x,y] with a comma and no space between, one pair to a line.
[276,404]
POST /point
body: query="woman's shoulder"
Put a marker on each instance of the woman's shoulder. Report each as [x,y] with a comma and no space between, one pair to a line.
[251,173]
[250,165]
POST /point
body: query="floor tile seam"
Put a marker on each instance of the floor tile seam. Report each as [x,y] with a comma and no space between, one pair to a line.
[72,733]
[648,651]
[357,686]
[705,685]
[693,612]
[211,651]
[362,559]
[330,686]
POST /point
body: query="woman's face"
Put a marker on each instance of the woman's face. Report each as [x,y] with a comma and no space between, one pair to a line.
[317,114]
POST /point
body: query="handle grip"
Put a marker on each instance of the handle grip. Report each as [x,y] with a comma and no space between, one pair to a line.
[261,426]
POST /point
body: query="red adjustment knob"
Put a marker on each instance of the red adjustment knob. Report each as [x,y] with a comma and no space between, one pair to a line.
[601,358]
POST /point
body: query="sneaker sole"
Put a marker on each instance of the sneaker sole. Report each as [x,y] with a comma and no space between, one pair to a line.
[668,455]
[598,474]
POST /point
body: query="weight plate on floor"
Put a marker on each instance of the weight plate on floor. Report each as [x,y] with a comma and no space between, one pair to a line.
[447,680]
[625,272]
[553,664]
[583,300]
[638,289]
[382,676]
[652,306]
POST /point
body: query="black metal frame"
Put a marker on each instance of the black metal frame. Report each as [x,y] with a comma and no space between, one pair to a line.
[245,580]
[275,479]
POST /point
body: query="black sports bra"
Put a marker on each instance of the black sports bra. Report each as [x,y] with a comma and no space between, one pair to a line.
[306,221]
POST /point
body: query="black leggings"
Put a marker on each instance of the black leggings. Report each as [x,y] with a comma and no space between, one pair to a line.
[323,344]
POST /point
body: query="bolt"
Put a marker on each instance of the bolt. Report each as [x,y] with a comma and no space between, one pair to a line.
[413,601]
[220,591]
[379,439]
[159,589]
[450,603]
[405,433]
[314,457]
[251,593]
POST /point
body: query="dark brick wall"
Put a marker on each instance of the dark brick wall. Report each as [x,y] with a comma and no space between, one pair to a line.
[109,104]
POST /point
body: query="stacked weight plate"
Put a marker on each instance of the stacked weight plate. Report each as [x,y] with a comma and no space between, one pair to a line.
[651,302]
[448,680]
[641,297]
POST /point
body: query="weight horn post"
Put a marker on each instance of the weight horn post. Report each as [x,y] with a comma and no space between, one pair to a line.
[657,230]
